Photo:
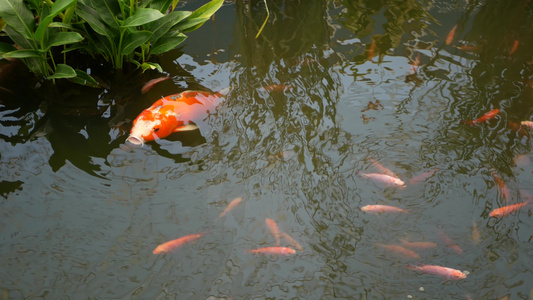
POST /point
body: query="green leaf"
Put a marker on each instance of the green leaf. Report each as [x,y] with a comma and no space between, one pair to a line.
[63,71]
[84,79]
[18,17]
[152,66]
[19,39]
[22,54]
[91,16]
[161,5]
[134,40]
[4,48]
[142,16]
[163,25]
[62,38]
[57,7]
[167,43]
[204,12]
[107,11]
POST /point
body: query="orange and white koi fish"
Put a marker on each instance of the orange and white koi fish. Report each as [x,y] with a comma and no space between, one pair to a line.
[422,176]
[273,250]
[291,241]
[382,169]
[383,179]
[273,229]
[147,86]
[502,186]
[400,250]
[420,245]
[415,64]
[231,206]
[174,244]
[377,208]
[491,114]
[173,113]
[506,210]
[451,35]
[449,243]
[528,124]
[445,272]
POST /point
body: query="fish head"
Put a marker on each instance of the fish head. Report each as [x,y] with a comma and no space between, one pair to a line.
[496,213]
[156,122]
[456,274]
[399,183]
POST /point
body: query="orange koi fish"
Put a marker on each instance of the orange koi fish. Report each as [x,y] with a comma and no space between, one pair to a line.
[147,86]
[506,210]
[291,241]
[491,114]
[449,39]
[513,49]
[423,176]
[174,244]
[421,245]
[382,209]
[400,250]
[445,272]
[273,250]
[502,186]
[371,50]
[449,243]
[383,179]
[273,229]
[173,113]
[230,206]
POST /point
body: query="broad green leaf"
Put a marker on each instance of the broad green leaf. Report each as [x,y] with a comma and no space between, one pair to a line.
[4,47]
[57,7]
[204,12]
[91,16]
[62,38]
[18,16]
[152,66]
[164,24]
[190,24]
[160,5]
[63,71]
[134,40]
[23,42]
[167,43]
[142,16]
[108,11]
[22,54]
[62,25]
[84,79]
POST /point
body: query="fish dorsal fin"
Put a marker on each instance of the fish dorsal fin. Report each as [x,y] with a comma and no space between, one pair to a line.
[188,127]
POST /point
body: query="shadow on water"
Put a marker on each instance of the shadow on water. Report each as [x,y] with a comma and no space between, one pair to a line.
[328,87]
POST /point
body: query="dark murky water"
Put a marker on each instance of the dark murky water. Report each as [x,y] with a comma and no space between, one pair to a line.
[82,210]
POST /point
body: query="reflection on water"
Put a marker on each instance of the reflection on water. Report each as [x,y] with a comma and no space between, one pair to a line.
[326,91]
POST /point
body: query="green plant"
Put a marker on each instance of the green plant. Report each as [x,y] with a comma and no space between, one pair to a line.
[117,30]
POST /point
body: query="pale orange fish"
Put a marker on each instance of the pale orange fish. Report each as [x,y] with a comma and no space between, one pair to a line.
[423,176]
[521,160]
[291,241]
[383,179]
[451,35]
[515,46]
[506,210]
[502,186]
[450,244]
[528,124]
[273,229]
[420,245]
[273,250]
[382,169]
[415,64]
[371,50]
[468,48]
[476,235]
[491,114]
[377,208]
[231,206]
[147,86]
[445,272]
[400,250]
[174,244]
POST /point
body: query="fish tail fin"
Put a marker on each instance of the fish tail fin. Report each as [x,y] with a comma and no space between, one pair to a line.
[223,92]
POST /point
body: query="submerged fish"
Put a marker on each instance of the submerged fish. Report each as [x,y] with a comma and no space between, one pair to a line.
[383,179]
[230,206]
[273,250]
[400,250]
[506,210]
[445,272]
[147,86]
[491,114]
[421,245]
[377,208]
[173,113]
[451,35]
[273,229]
[174,244]
[291,241]
[422,176]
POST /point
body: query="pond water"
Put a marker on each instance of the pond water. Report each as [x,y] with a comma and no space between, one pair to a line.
[355,83]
